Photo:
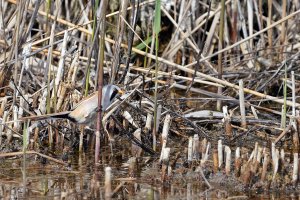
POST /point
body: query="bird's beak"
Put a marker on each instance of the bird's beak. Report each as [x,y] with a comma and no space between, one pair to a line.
[121,92]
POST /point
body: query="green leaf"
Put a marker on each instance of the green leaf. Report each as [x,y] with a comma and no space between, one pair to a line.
[157,18]
[142,44]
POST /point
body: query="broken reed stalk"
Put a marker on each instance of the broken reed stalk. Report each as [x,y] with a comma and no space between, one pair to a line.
[26,136]
[74,67]
[215,160]
[61,95]
[255,151]
[295,141]
[157,116]
[16,123]
[165,132]
[36,136]
[227,160]
[9,133]
[257,161]
[2,126]
[164,135]
[205,154]
[295,129]
[295,175]
[282,156]
[3,104]
[107,183]
[293,95]
[283,117]
[81,139]
[254,112]
[196,147]
[148,122]
[203,147]
[165,164]
[295,168]
[220,154]
[190,150]
[242,104]
[238,162]
[265,165]
[227,124]
[275,160]
[295,132]
[284,110]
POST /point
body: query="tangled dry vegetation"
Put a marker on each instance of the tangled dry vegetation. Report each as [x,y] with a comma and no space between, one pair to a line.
[227,79]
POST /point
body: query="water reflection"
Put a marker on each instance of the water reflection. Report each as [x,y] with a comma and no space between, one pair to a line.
[84,180]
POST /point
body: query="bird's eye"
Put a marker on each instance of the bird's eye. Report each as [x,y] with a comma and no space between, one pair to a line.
[114,94]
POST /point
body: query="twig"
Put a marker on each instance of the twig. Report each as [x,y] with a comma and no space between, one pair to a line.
[32,152]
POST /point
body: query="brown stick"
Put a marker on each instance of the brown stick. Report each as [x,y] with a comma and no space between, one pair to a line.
[215,159]
[31,152]
[283,133]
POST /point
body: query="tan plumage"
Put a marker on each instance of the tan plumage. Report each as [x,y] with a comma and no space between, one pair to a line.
[85,111]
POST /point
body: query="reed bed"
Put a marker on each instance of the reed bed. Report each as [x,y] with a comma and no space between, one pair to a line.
[211,87]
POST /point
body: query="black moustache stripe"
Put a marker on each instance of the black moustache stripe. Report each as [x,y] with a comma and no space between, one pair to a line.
[114,94]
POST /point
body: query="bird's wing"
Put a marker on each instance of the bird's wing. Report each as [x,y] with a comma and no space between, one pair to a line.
[85,110]
[86,99]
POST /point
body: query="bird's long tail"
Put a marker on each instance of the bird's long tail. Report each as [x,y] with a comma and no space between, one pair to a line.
[61,115]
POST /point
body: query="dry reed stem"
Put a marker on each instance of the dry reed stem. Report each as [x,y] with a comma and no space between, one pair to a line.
[165,163]
[265,166]
[190,150]
[107,183]
[32,152]
[225,83]
[255,157]
[227,160]
[215,161]
[196,147]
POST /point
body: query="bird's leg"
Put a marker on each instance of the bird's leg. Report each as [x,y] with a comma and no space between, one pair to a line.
[98,110]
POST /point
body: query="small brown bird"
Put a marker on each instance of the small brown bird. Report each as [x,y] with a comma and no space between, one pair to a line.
[85,111]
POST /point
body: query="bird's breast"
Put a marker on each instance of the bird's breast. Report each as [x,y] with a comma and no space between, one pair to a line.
[85,112]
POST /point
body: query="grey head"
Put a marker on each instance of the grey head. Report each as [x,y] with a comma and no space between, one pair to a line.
[109,93]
